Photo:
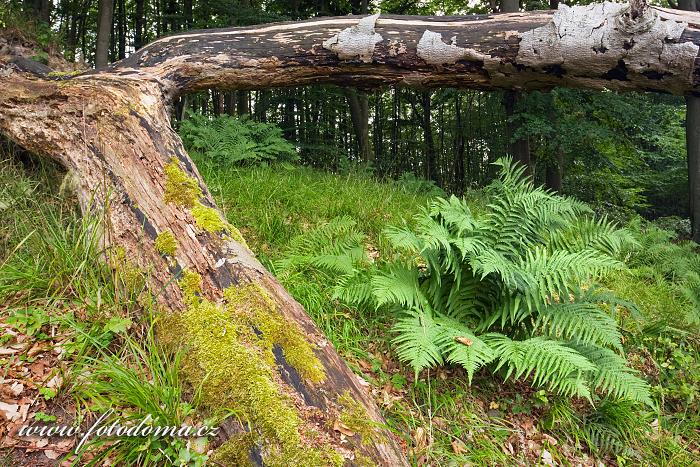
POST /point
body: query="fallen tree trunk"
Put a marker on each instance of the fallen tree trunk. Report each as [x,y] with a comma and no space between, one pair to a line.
[112,128]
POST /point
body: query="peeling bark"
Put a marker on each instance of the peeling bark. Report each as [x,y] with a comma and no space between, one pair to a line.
[112,127]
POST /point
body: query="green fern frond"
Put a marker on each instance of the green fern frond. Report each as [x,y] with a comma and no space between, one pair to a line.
[403,239]
[354,289]
[546,361]
[459,345]
[612,376]
[455,213]
[581,321]
[416,341]
[398,285]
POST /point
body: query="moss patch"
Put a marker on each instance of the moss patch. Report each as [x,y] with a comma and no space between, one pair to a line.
[235,367]
[235,451]
[208,219]
[252,305]
[191,285]
[166,243]
[180,188]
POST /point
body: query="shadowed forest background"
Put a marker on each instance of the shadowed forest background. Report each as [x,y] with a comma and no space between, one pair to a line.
[346,196]
[624,152]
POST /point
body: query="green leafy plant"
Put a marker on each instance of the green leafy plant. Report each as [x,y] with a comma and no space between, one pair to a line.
[229,140]
[140,381]
[513,289]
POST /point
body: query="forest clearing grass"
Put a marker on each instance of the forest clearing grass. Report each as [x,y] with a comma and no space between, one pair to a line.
[441,418]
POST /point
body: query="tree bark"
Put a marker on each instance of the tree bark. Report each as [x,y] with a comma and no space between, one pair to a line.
[692,129]
[138,24]
[104,32]
[431,166]
[359,115]
[112,127]
[519,145]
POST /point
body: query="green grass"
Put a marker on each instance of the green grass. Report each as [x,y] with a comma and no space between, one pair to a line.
[57,278]
[273,204]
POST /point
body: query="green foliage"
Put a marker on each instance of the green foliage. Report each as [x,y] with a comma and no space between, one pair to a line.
[663,278]
[611,427]
[51,255]
[518,268]
[142,380]
[229,140]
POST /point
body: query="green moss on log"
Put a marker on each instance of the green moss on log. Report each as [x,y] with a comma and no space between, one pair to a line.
[235,367]
[208,219]
[166,243]
[252,305]
[180,188]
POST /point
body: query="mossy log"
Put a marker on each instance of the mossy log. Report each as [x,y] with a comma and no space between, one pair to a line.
[253,341]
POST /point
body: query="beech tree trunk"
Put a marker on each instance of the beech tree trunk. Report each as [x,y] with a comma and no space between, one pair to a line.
[519,145]
[104,32]
[112,128]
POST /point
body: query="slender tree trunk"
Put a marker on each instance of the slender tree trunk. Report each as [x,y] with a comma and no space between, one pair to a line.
[45,11]
[458,147]
[555,172]
[138,24]
[187,10]
[359,115]
[104,32]
[431,163]
[519,146]
[242,104]
[121,28]
[693,148]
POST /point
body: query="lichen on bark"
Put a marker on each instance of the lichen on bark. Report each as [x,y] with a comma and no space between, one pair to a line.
[356,42]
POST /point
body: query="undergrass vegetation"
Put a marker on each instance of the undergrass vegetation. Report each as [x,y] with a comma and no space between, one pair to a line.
[323,235]
[313,229]
[63,291]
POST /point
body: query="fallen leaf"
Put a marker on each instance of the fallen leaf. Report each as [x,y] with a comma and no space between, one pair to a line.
[464,340]
[342,428]
[16,388]
[458,447]
[55,382]
[51,454]
[422,438]
[9,411]
[12,349]
[546,458]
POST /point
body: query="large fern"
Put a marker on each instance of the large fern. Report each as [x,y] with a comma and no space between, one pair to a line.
[510,288]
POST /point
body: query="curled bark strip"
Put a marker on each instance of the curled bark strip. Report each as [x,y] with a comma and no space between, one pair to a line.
[356,42]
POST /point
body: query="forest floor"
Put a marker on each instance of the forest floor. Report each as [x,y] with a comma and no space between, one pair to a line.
[64,315]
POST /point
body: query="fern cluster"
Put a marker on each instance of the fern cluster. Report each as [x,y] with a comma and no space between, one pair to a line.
[229,140]
[512,289]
